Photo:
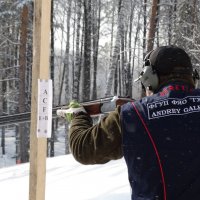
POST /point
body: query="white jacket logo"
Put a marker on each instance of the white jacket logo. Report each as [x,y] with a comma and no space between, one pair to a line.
[173,106]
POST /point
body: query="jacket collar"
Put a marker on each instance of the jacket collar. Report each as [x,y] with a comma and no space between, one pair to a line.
[175,86]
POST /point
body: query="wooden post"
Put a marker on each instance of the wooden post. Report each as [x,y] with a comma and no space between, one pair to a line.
[40,70]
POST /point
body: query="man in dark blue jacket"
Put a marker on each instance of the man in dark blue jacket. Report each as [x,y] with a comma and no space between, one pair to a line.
[159,135]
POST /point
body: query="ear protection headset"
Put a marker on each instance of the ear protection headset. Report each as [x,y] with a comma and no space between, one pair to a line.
[148,76]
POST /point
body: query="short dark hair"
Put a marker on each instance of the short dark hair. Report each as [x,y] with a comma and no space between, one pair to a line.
[186,78]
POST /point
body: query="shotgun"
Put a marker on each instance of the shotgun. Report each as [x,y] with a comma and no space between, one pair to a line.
[93,108]
[101,106]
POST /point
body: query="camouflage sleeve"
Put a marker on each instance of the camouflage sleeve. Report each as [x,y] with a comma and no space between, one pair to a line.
[96,144]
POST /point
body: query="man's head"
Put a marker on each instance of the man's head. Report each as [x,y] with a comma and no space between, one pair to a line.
[164,64]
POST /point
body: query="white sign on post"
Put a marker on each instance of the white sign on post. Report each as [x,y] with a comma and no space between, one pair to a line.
[44,116]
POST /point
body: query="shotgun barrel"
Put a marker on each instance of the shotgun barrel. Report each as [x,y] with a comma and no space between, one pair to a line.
[100,106]
[93,108]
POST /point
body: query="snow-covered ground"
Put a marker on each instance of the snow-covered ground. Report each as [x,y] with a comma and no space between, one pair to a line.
[66,179]
[11,142]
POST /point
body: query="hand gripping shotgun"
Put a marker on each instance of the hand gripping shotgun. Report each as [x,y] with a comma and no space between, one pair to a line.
[101,106]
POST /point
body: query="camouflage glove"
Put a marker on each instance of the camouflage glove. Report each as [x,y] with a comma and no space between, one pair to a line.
[68,112]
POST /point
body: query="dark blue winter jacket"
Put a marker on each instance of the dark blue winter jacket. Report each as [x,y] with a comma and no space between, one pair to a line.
[161,144]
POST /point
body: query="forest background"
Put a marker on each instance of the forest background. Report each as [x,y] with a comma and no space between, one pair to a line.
[97,50]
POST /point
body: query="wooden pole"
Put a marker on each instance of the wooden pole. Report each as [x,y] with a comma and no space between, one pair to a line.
[40,70]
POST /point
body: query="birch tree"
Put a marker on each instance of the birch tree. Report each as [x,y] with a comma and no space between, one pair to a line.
[87,50]
[116,50]
[95,39]
[67,52]
[144,27]
[77,67]
[52,65]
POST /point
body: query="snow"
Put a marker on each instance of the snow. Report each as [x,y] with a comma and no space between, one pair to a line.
[68,179]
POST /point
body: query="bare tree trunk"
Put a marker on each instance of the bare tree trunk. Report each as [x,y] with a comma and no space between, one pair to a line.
[122,56]
[66,59]
[145,27]
[29,52]
[87,50]
[96,28]
[116,51]
[22,58]
[52,139]
[152,25]
[3,140]
[116,80]
[128,66]
[174,21]
[170,24]
[112,30]
[119,78]
[77,69]
[24,142]
[157,26]
[52,46]
[73,47]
